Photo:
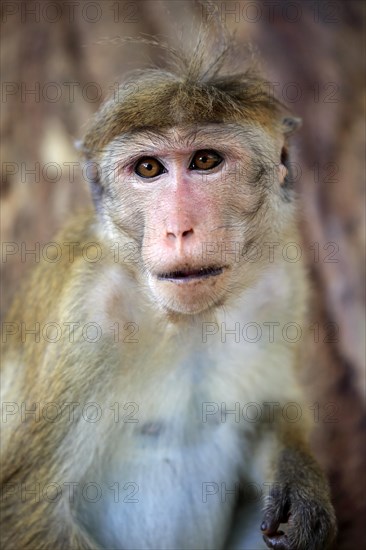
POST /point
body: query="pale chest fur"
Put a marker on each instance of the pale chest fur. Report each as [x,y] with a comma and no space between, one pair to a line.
[188,435]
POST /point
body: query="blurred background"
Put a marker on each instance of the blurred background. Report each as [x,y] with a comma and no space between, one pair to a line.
[59,60]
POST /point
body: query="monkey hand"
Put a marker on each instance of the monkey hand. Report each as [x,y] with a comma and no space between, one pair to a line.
[301,500]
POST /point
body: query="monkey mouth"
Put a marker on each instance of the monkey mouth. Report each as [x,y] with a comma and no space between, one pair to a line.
[186,275]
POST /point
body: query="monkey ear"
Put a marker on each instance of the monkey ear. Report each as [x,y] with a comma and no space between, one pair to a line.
[92,173]
[80,146]
[291,124]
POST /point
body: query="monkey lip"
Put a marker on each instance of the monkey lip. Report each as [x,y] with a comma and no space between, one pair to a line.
[187,275]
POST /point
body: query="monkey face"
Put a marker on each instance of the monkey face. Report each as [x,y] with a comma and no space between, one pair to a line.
[192,200]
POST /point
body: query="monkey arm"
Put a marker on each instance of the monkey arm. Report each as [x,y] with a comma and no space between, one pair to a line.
[299,497]
[36,505]
[33,449]
[30,525]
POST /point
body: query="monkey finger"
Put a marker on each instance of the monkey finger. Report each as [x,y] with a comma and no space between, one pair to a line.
[270,524]
[279,541]
[272,520]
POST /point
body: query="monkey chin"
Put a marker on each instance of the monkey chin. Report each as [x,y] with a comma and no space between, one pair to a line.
[189,296]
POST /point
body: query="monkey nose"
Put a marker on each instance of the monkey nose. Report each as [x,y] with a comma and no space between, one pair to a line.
[179,234]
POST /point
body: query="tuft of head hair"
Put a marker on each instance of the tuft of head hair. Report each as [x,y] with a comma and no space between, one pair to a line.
[195,87]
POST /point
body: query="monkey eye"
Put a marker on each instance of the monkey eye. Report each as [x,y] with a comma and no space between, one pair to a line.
[149,167]
[205,160]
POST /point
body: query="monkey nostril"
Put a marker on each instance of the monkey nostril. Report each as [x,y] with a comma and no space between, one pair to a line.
[176,234]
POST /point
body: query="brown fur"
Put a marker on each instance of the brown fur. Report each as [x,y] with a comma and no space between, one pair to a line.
[196,94]
[192,89]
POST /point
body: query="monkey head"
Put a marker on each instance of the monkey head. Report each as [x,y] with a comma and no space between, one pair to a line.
[191,171]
